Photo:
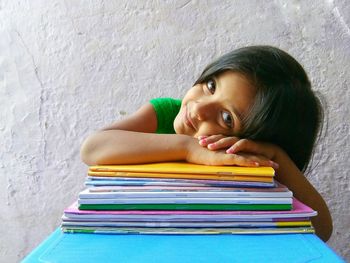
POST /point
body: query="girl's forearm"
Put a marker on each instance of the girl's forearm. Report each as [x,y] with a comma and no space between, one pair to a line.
[127,147]
[289,175]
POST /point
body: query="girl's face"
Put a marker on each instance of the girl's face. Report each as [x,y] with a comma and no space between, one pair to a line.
[216,106]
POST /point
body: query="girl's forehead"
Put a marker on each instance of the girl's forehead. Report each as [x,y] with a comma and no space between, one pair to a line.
[238,75]
[233,79]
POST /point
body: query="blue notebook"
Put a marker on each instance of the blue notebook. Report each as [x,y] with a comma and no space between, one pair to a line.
[59,247]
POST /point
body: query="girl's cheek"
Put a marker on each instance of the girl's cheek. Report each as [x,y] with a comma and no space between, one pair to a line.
[207,129]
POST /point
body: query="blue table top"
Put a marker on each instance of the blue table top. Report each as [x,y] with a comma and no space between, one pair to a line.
[60,247]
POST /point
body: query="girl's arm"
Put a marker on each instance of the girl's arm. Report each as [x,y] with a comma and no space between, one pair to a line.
[289,175]
[286,172]
[133,140]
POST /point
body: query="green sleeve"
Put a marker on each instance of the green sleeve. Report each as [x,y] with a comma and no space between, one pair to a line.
[166,110]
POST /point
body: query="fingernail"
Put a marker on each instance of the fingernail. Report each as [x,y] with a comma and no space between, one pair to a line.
[202,142]
[212,145]
[201,137]
[229,151]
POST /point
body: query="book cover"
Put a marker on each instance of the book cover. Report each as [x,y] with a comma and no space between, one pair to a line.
[299,210]
[223,207]
[221,177]
[184,191]
[187,231]
[68,223]
[187,200]
[130,181]
[186,168]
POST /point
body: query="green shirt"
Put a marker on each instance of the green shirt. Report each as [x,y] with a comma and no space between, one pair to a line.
[166,111]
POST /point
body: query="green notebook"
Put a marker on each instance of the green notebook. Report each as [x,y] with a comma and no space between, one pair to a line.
[221,207]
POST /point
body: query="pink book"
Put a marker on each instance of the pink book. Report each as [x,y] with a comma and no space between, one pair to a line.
[299,210]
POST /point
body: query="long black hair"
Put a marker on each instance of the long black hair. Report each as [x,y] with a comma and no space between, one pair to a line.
[286,111]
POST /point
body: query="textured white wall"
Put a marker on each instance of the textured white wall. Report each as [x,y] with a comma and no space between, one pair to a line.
[69,67]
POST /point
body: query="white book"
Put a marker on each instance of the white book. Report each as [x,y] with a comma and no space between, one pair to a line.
[195,192]
[249,200]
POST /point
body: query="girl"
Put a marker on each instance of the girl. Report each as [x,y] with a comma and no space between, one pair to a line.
[251,107]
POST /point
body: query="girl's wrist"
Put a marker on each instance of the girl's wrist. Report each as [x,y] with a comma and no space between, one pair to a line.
[185,144]
[274,152]
[283,160]
[190,145]
[279,153]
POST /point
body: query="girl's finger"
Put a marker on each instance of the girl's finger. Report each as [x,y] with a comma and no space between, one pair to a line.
[244,145]
[223,143]
[236,159]
[261,160]
[210,139]
[250,160]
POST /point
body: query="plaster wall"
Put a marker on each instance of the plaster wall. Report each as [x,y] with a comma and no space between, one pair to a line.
[68,68]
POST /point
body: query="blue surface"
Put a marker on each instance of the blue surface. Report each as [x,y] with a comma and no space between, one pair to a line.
[59,247]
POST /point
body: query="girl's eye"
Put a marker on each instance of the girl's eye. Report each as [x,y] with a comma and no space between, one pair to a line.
[227,118]
[211,86]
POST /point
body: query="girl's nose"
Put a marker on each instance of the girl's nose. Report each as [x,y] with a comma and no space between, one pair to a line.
[202,110]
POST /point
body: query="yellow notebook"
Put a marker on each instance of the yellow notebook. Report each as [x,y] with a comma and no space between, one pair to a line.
[293,223]
[247,178]
[185,170]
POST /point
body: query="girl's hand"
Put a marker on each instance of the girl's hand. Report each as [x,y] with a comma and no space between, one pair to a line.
[217,142]
[263,153]
[202,155]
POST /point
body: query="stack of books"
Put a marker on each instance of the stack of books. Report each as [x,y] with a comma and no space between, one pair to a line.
[183,198]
